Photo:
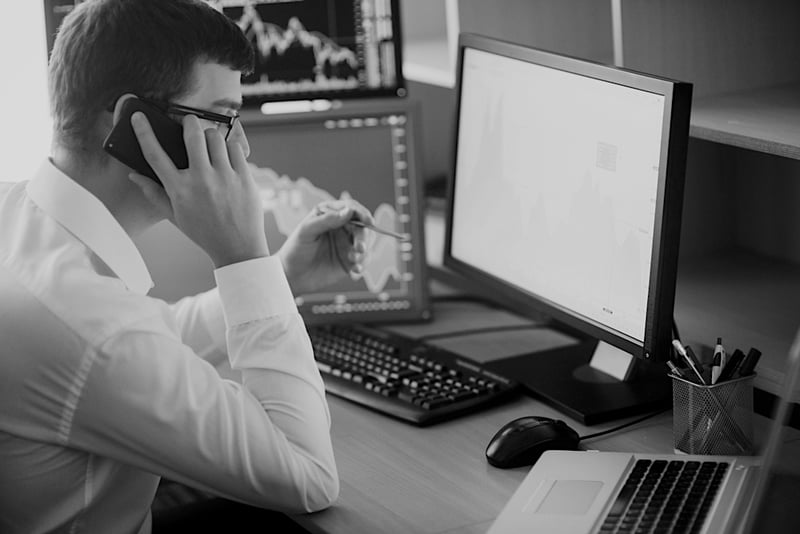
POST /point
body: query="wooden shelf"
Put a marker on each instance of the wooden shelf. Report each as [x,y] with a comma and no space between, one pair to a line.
[749,301]
[765,120]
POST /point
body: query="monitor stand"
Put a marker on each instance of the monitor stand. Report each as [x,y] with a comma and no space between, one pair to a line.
[579,381]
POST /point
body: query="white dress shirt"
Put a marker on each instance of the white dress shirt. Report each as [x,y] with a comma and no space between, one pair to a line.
[103,389]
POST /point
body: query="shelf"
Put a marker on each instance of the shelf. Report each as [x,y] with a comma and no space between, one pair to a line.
[430,39]
[429,61]
[765,120]
[749,301]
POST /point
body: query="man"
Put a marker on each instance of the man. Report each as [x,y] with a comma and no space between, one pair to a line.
[103,390]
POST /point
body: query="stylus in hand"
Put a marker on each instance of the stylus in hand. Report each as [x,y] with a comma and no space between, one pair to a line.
[358,222]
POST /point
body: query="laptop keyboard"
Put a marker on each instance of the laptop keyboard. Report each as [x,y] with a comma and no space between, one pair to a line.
[401,377]
[665,496]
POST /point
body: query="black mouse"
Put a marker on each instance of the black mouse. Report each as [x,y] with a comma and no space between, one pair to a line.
[523,440]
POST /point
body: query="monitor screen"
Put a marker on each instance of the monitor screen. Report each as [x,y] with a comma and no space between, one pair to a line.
[306,49]
[567,192]
[314,49]
[364,152]
[567,163]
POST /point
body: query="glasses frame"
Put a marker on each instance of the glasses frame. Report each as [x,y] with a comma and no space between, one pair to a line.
[178,109]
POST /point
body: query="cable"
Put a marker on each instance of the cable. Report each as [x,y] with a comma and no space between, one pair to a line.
[626,425]
[487,330]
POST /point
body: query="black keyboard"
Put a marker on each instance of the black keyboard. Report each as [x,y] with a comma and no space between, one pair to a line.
[402,377]
[665,496]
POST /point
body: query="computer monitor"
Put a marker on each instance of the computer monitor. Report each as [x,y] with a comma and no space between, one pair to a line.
[566,199]
[308,50]
[367,152]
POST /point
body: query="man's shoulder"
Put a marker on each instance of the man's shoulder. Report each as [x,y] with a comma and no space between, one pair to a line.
[70,293]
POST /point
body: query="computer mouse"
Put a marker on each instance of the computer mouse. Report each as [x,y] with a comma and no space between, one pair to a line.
[521,441]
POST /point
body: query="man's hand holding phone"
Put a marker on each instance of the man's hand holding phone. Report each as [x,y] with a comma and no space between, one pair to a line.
[214,201]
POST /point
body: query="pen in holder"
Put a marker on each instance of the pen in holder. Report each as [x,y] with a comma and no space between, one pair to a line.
[716,419]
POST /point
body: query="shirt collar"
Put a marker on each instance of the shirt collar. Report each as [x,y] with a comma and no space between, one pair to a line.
[82,214]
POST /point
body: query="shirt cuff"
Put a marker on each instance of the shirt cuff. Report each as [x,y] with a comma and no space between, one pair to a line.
[253,290]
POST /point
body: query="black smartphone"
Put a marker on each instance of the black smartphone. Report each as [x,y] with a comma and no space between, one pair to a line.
[122,143]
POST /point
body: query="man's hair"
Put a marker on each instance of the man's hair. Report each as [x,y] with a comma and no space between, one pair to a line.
[106,48]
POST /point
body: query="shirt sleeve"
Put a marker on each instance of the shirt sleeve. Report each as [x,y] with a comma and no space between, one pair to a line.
[149,401]
[201,324]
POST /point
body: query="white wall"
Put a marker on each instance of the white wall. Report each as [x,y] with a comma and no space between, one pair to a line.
[25,125]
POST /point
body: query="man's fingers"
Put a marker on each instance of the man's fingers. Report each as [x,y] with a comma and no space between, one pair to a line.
[151,148]
[195,140]
[217,149]
[238,158]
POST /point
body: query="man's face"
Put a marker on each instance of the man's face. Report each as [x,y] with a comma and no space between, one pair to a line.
[218,89]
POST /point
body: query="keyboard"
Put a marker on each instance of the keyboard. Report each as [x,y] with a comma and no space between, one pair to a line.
[401,377]
[662,496]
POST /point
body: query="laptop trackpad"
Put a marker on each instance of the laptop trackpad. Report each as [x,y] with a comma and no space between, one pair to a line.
[570,497]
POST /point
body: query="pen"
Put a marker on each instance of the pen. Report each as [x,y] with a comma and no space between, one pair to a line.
[748,365]
[716,367]
[401,237]
[731,366]
[674,369]
[690,356]
[362,224]
[690,359]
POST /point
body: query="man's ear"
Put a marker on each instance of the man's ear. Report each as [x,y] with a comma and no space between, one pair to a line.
[118,106]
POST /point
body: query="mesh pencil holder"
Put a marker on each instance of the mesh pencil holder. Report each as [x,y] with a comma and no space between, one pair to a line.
[714,419]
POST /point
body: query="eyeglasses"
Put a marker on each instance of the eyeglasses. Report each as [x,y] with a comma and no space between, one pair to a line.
[228,121]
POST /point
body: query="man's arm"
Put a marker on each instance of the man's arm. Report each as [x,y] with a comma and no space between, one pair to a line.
[150,402]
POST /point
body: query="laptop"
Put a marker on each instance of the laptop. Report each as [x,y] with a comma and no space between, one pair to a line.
[577,491]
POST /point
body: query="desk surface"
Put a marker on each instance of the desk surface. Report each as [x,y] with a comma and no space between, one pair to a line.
[401,479]
[397,478]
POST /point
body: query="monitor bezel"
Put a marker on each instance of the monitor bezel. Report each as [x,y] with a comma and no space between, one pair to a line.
[669,200]
[252,121]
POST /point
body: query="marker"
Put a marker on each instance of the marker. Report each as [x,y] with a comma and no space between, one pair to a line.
[688,355]
[716,368]
[719,349]
[748,365]
[731,367]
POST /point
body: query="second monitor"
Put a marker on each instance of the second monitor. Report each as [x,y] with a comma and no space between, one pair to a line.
[566,199]
[366,152]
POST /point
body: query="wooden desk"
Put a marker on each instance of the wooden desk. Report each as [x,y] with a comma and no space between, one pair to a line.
[397,478]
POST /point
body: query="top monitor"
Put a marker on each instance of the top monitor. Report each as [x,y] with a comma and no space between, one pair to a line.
[314,49]
[306,49]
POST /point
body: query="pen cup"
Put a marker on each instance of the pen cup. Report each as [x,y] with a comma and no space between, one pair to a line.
[714,419]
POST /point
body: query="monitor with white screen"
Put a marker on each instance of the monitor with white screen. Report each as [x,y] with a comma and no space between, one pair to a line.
[566,199]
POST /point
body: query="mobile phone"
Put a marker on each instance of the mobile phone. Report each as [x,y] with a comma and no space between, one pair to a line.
[122,143]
